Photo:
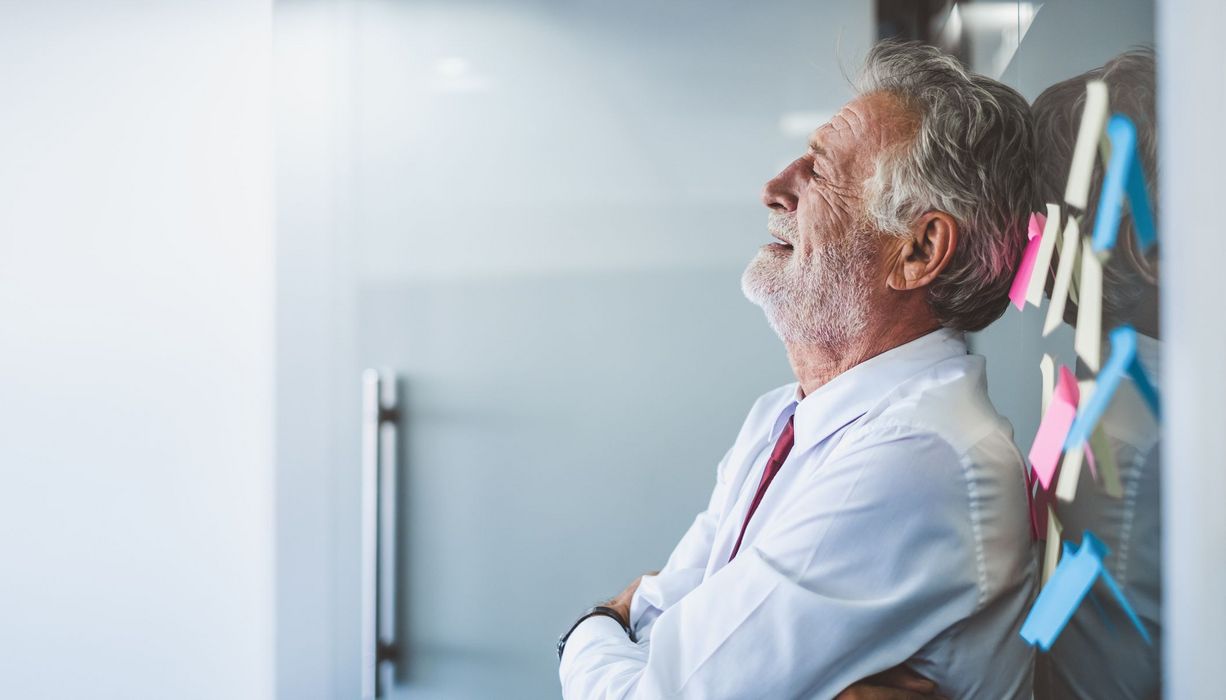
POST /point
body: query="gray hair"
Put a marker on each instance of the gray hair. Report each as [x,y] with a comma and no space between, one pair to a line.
[971,157]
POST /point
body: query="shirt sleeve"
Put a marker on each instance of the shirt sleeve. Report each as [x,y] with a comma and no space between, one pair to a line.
[864,563]
[684,569]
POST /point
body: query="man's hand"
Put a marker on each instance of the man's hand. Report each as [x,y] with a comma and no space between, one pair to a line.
[622,602]
[898,683]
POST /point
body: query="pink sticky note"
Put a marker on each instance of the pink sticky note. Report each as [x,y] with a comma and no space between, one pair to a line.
[1021,281]
[1053,429]
[1037,223]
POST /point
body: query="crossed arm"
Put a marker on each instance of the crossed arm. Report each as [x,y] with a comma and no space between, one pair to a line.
[898,683]
[840,586]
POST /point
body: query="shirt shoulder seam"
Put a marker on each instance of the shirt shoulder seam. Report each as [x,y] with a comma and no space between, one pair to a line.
[974,502]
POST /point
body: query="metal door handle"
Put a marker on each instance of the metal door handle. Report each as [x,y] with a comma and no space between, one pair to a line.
[380,422]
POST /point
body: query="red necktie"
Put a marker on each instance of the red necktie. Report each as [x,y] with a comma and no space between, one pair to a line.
[780,453]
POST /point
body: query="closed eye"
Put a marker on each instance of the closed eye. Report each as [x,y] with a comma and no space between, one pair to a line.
[812,158]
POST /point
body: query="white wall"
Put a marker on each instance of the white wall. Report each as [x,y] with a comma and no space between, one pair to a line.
[136,339]
[1191,100]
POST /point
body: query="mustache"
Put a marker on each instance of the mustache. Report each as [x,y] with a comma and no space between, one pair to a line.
[782,225]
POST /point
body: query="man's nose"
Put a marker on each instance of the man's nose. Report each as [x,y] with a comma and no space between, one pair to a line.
[779,193]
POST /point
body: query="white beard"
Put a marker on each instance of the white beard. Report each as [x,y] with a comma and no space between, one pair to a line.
[822,301]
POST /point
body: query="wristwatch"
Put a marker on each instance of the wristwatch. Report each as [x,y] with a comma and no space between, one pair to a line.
[592,612]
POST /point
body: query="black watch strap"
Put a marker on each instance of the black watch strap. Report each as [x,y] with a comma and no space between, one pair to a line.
[592,612]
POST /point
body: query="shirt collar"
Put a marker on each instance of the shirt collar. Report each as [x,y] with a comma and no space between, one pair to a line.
[852,393]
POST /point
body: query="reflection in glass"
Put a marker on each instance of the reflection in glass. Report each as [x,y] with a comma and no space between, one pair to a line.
[1099,655]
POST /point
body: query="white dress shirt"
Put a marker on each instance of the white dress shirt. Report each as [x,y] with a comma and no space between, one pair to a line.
[896,531]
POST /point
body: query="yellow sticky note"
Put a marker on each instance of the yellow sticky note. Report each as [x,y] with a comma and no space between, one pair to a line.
[1070,473]
[1089,135]
[1047,245]
[1088,338]
[1075,284]
[1108,469]
[1069,248]
[1047,367]
[1051,552]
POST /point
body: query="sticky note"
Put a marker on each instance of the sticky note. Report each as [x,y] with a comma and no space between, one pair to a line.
[1108,468]
[1049,441]
[1093,119]
[1075,284]
[1091,461]
[1069,584]
[1070,473]
[1021,280]
[1139,205]
[1034,227]
[1116,591]
[1069,248]
[1066,587]
[1051,553]
[1087,339]
[1047,368]
[1042,261]
[1125,176]
[1123,360]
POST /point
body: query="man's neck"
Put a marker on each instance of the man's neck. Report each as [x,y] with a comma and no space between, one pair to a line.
[814,365]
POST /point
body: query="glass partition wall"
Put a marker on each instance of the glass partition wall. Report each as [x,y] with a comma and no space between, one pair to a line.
[1049,52]
[533,217]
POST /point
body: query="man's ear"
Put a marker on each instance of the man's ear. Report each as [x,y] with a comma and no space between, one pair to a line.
[923,254]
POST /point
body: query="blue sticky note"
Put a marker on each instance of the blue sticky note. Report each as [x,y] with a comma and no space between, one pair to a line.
[1119,598]
[1090,544]
[1138,203]
[1125,176]
[1059,599]
[1069,584]
[1123,360]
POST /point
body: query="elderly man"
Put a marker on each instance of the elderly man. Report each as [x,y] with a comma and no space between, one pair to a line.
[871,515]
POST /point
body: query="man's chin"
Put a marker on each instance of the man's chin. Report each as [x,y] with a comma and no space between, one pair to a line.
[765,276]
[753,286]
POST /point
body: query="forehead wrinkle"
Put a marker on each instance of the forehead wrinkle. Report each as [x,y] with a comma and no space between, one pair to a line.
[847,123]
[838,125]
[816,147]
[853,126]
[829,141]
